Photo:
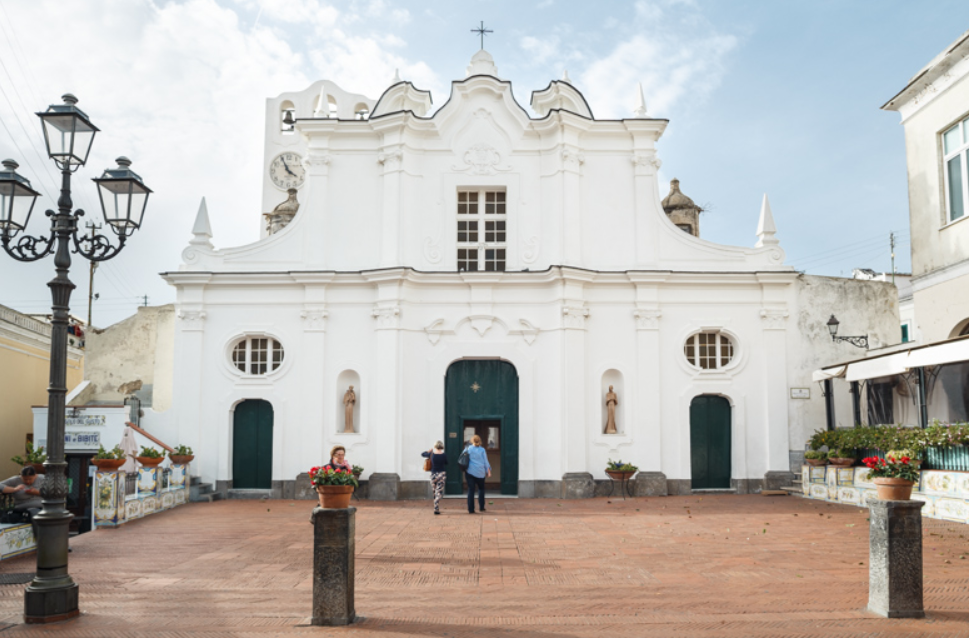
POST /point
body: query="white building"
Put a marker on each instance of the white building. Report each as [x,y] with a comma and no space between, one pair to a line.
[487,269]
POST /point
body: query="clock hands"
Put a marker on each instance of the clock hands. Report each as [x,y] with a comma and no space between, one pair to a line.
[286,166]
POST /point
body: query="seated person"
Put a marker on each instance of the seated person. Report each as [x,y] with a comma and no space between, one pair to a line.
[338,459]
[25,490]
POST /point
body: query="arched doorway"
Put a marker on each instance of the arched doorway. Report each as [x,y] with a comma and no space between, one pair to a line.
[710,442]
[481,397]
[252,445]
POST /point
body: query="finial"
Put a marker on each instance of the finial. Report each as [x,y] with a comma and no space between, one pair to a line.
[202,230]
[323,107]
[482,31]
[565,76]
[766,230]
[123,162]
[640,110]
[396,76]
[69,98]
[10,165]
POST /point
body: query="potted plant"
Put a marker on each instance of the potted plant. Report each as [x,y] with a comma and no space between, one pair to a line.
[912,455]
[619,471]
[181,455]
[357,471]
[816,457]
[893,477]
[106,460]
[150,457]
[334,486]
[33,458]
[842,457]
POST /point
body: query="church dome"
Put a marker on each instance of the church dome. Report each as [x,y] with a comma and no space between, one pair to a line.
[676,200]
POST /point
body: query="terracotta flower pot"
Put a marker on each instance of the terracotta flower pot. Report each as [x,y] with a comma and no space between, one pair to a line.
[106,465]
[38,467]
[816,462]
[841,462]
[181,459]
[893,489]
[616,475]
[148,461]
[335,496]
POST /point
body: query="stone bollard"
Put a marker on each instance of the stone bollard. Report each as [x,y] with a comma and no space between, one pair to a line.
[895,559]
[333,569]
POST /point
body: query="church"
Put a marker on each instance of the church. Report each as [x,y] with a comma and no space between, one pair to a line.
[484,268]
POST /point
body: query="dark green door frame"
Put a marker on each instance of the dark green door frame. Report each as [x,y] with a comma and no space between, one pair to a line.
[710,434]
[481,389]
[252,445]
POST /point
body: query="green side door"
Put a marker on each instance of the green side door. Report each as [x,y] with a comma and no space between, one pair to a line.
[482,393]
[252,445]
[710,442]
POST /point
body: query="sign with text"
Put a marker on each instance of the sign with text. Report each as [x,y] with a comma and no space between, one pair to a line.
[800,393]
[85,420]
[82,440]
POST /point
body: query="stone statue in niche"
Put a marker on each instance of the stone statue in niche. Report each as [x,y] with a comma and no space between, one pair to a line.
[612,400]
[349,400]
[282,214]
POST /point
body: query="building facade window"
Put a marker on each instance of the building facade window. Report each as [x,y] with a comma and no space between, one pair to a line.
[955,144]
[709,350]
[257,355]
[482,230]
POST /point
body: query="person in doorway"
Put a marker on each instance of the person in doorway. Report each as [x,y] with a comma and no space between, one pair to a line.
[478,470]
[338,459]
[438,472]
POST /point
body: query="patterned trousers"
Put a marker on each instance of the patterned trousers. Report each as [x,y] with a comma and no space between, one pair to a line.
[437,480]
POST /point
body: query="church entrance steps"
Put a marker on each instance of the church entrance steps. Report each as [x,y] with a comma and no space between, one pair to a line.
[201,492]
[250,494]
[712,490]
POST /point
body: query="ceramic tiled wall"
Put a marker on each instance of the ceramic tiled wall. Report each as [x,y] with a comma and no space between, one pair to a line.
[112,508]
[946,494]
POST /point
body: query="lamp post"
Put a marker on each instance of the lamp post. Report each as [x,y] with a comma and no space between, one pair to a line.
[53,595]
[858,342]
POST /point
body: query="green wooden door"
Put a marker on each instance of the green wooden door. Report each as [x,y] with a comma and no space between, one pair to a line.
[252,445]
[710,442]
[482,393]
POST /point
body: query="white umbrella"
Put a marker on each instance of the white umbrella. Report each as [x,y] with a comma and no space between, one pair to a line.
[130,448]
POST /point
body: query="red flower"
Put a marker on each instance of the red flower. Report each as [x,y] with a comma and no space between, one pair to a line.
[905,459]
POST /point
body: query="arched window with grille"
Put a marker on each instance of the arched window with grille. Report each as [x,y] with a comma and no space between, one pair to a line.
[709,350]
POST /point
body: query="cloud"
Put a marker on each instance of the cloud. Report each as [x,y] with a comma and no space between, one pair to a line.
[667,45]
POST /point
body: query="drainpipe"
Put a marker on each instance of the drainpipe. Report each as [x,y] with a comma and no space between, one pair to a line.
[923,408]
[856,402]
[829,403]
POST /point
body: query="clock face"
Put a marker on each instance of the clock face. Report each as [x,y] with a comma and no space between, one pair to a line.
[286,171]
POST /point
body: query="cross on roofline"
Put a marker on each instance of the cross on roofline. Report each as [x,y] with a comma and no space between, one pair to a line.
[482,31]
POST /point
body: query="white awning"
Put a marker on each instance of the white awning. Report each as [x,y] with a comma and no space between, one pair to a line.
[829,373]
[939,354]
[896,363]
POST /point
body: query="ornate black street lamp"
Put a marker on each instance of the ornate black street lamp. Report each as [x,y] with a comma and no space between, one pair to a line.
[858,342]
[53,594]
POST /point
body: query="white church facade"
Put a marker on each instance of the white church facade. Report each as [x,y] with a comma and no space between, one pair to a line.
[486,269]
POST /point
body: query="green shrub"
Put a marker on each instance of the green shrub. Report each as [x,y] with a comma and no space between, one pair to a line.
[816,455]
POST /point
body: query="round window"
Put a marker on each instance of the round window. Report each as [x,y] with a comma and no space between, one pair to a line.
[257,355]
[709,350]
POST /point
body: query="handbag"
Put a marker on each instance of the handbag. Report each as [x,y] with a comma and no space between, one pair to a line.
[464,460]
[427,464]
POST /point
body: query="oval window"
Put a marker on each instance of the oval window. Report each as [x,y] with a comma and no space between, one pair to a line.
[257,355]
[709,350]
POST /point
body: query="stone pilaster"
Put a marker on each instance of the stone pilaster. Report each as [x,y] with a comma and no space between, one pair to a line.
[895,559]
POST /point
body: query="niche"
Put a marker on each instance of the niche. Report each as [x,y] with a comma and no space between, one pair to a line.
[612,378]
[346,379]
[361,111]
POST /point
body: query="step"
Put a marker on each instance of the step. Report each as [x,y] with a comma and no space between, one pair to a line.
[723,490]
[250,494]
[793,490]
[200,492]
[214,496]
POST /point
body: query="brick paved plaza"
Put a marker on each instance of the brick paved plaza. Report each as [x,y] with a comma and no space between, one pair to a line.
[676,566]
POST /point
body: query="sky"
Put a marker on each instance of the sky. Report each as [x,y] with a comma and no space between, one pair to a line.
[762,96]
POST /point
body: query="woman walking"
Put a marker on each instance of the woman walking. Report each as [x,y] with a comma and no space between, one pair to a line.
[478,470]
[438,472]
